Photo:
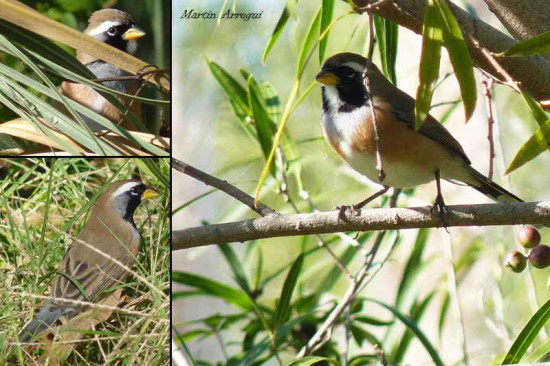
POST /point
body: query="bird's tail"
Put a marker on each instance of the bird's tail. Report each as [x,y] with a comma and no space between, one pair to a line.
[45,318]
[491,189]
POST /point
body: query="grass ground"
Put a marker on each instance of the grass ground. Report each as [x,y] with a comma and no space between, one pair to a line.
[43,202]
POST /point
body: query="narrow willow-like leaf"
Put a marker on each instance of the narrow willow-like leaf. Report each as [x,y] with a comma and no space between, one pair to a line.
[412,268]
[411,324]
[232,87]
[387,36]
[432,40]
[283,308]
[213,288]
[537,144]
[312,360]
[460,57]
[309,42]
[327,11]
[264,125]
[528,334]
[279,28]
[236,266]
[417,311]
[538,45]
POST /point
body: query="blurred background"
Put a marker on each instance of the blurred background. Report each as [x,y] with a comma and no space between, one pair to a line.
[494,302]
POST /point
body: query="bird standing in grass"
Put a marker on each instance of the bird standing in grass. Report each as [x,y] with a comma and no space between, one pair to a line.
[99,257]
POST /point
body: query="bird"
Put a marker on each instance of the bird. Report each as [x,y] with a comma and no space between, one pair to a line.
[115,28]
[409,157]
[87,269]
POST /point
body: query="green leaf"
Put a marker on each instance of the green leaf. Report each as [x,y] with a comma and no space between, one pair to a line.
[540,354]
[235,91]
[413,267]
[213,288]
[264,125]
[372,321]
[417,312]
[386,35]
[411,324]
[291,6]
[538,45]
[460,57]
[309,41]
[528,334]
[283,307]
[327,11]
[281,23]
[432,40]
[236,267]
[536,144]
[312,360]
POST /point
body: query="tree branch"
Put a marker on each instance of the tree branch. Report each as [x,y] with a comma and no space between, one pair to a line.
[222,185]
[533,72]
[534,213]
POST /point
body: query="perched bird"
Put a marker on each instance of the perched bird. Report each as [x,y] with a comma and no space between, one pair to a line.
[85,273]
[115,28]
[409,158]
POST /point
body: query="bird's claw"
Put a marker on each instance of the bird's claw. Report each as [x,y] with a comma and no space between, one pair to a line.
[442,210]
[342,211]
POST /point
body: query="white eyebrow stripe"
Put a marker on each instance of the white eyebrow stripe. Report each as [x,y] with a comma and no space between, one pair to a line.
[102,28]
[125,188]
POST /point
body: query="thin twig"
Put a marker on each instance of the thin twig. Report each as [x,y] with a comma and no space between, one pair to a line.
[223,186]
[488,85]
[366,81]
[323,333]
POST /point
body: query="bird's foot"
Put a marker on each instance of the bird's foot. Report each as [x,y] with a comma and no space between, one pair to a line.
[441,209]
[353,209]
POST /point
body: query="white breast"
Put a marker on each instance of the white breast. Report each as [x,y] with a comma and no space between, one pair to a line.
[340,127]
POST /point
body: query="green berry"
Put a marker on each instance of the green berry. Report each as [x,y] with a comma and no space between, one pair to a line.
[515,261]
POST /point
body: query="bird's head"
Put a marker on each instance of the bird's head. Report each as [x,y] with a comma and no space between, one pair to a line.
[125,196]
[116,28]
[343,78]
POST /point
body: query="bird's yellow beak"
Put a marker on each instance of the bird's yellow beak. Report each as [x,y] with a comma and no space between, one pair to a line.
[133,33]
[149,193]
[327,78]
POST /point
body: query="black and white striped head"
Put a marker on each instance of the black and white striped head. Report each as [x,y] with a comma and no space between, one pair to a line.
[342,76]
[116,28]
[125,196]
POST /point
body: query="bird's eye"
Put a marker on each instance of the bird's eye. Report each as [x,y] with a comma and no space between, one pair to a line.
[348,73]
[134,191]
[111,31]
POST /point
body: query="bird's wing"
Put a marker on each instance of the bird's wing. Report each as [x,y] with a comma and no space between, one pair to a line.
[404,111]
[82,280]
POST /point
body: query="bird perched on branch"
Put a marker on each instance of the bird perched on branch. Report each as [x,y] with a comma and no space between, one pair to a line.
[94,261]
[409,158]
[115,28]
